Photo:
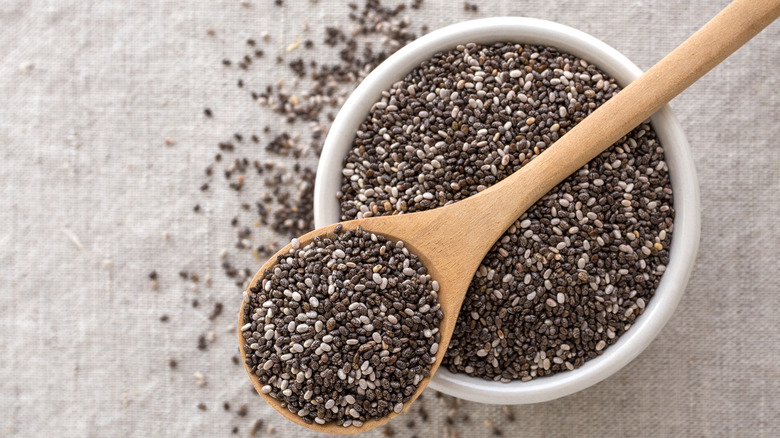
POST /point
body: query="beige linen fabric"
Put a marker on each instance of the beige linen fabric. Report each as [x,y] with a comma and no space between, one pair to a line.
[90,89]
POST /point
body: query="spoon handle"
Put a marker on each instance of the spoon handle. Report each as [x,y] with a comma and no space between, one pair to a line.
[715,41]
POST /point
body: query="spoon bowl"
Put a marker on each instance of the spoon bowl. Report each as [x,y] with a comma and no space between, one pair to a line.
[394,229]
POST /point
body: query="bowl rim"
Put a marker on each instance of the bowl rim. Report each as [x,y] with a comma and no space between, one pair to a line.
[682,171]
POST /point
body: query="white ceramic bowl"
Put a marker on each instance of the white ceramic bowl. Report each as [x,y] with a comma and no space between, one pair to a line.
[685,238]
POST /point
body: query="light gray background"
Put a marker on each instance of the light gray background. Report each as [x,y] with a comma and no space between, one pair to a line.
[88,92]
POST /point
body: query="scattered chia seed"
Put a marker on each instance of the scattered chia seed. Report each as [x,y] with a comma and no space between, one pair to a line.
[256,426]
[200,379]
[573,273]
[287,205]
[216,312]
[338,331]
[510,416]
[423,413]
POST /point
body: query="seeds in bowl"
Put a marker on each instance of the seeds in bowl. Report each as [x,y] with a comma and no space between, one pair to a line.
[343,329]
[569,276]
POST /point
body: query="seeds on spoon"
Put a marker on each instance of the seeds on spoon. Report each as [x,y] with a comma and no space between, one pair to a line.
[343,329]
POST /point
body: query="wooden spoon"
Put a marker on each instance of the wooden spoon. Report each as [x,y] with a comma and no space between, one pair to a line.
[451,241]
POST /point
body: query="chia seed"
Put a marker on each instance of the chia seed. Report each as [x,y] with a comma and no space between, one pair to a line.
[569,276]
[257,425]
[318,331]
[217,311]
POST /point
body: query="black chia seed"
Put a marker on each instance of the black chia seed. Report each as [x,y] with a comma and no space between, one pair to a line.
[218,307]
[344,329]
[256,426]
[573,273]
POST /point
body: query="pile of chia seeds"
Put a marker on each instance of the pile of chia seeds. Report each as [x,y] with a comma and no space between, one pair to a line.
[573,273]
[343,329]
